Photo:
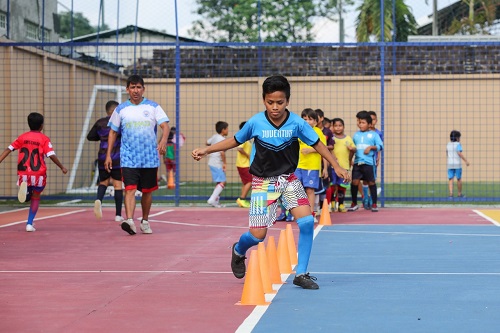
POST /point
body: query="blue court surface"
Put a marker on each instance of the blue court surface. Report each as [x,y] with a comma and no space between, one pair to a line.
[394,278]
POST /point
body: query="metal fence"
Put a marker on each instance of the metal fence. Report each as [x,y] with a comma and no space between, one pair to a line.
[421,91]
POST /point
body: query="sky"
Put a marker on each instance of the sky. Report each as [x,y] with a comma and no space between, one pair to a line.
[160,15]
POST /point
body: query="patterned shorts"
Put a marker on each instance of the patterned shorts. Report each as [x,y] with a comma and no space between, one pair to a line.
[267,193]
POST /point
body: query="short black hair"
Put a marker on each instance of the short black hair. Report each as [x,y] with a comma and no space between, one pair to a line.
[320,113]
[220,126]
[339,120]
[455,136]
[110,104]
[372,113]
[276,83]
[242,124]
[135,79]
[310,113]
[35,121]
[364,115]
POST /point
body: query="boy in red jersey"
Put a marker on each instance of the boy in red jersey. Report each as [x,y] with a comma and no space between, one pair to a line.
[33,146]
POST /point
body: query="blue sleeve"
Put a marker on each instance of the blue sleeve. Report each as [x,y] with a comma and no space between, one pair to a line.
[459,147]
[246,133]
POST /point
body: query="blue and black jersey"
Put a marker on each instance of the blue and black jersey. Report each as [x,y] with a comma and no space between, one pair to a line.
[275,148]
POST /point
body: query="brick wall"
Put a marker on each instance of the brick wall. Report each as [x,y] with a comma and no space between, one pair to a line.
[207,62]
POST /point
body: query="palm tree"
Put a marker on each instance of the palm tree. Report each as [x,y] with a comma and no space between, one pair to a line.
[368,21]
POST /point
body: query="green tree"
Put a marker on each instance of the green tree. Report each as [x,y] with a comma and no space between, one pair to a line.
[482,14]
[368,27]
[81,25]
[279,21]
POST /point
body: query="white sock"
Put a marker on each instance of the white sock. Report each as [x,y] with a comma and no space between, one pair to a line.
[217,190]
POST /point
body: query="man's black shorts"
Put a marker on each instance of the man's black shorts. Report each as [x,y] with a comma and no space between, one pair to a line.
[142,179]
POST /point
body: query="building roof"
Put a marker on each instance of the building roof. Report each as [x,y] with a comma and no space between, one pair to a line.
[129,29]
[446,15]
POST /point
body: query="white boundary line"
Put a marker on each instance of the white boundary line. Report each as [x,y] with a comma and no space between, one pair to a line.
[411,233]
[249,323]
[495,222]
[14,210]
[44,218]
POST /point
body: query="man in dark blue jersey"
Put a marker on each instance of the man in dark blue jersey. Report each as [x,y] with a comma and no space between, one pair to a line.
[273,161]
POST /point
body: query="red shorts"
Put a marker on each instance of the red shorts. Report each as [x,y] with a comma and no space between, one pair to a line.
[245,175]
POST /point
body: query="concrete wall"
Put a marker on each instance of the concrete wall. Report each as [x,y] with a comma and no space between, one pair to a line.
[22,10]
[419,113]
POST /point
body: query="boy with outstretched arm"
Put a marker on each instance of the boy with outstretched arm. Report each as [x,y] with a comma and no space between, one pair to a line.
[274,159]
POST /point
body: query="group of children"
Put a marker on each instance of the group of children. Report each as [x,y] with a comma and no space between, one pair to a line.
[286,164]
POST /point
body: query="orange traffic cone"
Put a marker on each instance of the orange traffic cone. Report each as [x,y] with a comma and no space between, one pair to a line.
[292,250]
[253,292]
[272,259]
[264,269]
[283,255]
[325,218]
[171,182]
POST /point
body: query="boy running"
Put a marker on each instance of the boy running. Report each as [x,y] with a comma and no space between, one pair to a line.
[274,159]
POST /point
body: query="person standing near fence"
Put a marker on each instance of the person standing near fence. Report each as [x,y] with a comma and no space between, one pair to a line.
[243,167]
[454,153]
[217,163]
[33,146]
[136,120]
[100,132]
[275,132]
[367,144]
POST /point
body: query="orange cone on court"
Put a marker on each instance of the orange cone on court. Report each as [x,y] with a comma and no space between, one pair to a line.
[272,259]
[325,218]
[171,182]
[292,250]
[264,270]
[253,292]
[283,255]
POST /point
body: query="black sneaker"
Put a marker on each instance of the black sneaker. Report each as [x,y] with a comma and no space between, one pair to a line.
[237,263]
[305,281]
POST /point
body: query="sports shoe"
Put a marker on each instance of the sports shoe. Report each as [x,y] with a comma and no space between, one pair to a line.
[342,209]
[129,226]
[289,217]
[98,209]
[305,281]
[374,208]
[214,203]
[237,263]
[23,190]
[145,228]
[281,217]
[243,203]
[354,207]
[30,228]
[118,218]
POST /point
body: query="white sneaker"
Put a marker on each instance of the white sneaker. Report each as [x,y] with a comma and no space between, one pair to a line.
[98,209]
[23,190]
[214,203]
[145,228]
[129,226]
[118,218]
[30,228]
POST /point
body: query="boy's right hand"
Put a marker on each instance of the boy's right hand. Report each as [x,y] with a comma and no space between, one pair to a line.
[198,153]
